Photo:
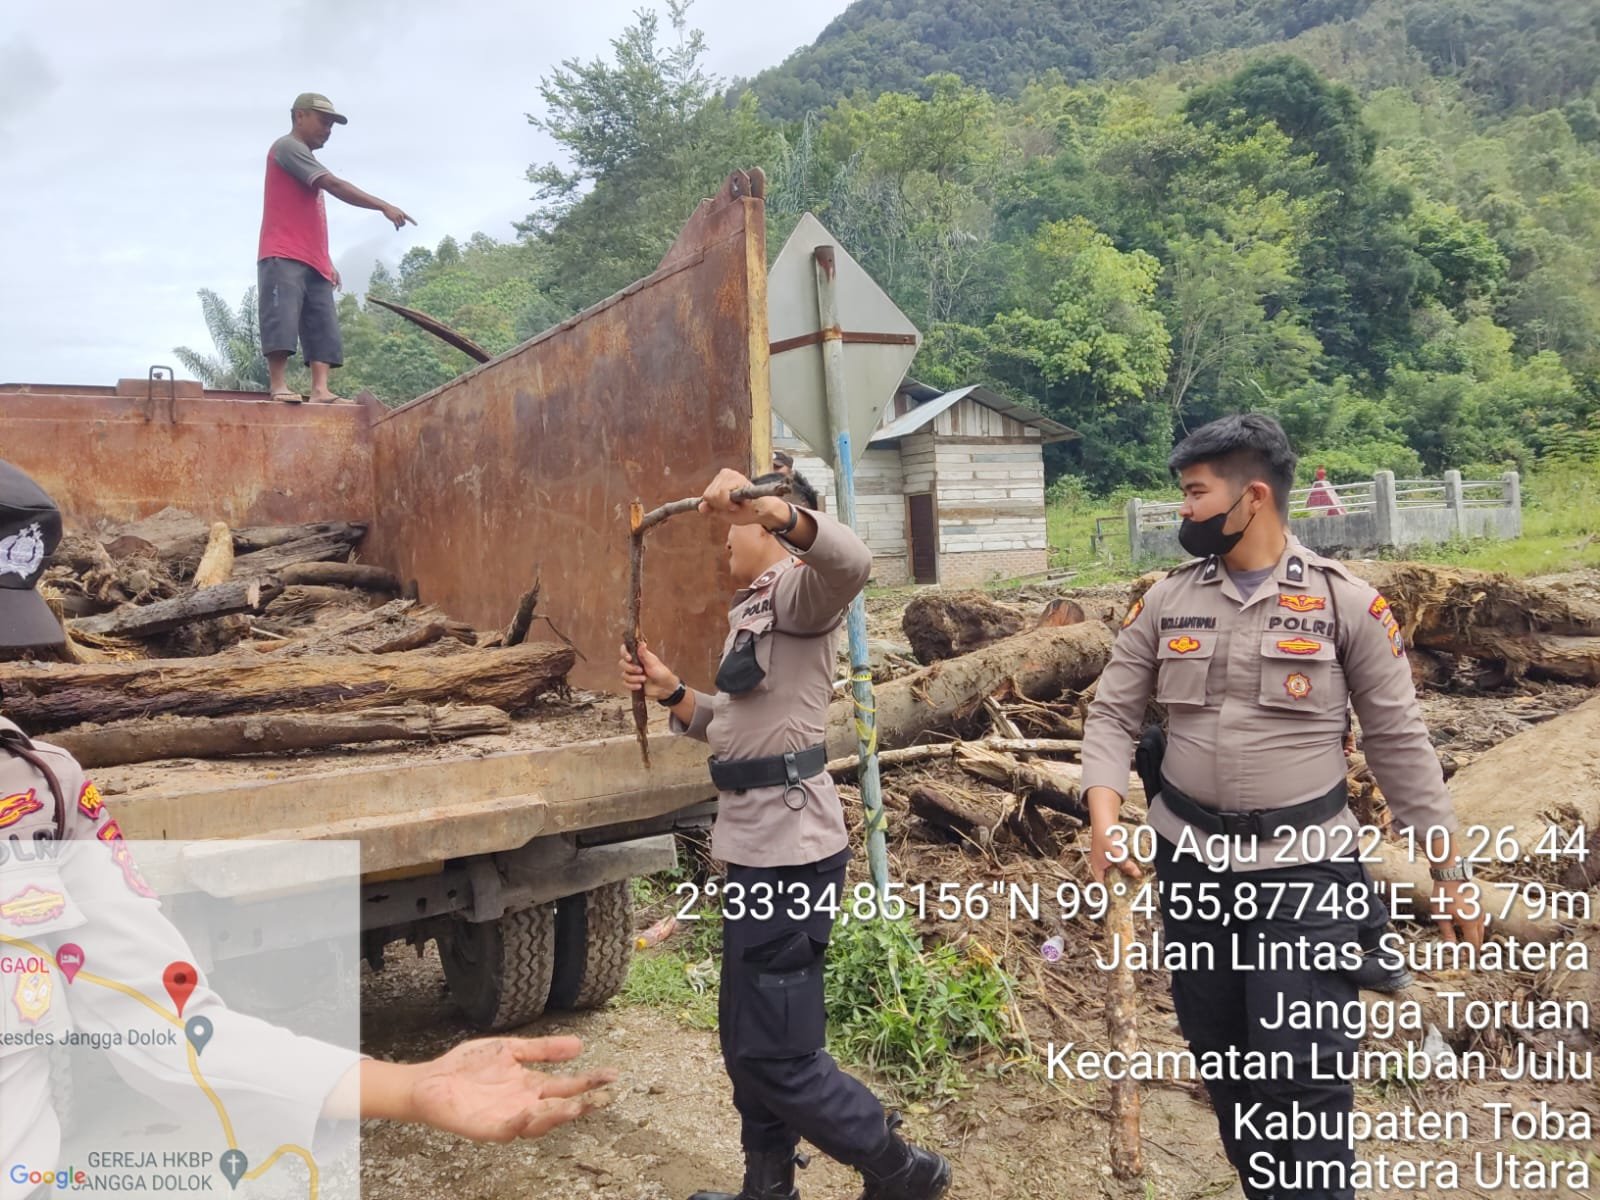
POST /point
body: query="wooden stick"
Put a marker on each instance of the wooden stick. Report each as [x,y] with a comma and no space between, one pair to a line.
[910,754]
[340,574]
[1122,1029]
[640,523]
[147,620]
[216,564]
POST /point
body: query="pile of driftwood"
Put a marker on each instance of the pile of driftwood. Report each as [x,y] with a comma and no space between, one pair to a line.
[188,640]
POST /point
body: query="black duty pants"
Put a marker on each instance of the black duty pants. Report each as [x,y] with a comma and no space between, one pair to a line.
[773,1025]
[1224,1006]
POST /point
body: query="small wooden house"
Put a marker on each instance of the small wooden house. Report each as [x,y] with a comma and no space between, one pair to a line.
[951,488]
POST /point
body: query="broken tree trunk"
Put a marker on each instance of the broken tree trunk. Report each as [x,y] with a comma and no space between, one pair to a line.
[147,620]
[42,698]
[955,819]
[340,574]
[1040,664]
[216,564]
[1037,782]
[941,625]
[143,740]
[322,547]
[522,620]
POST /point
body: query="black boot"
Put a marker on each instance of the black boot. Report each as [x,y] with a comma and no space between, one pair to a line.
[905,1171]
[768,1175]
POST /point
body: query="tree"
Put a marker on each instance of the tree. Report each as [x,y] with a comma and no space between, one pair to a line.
[238,364]
[646,135]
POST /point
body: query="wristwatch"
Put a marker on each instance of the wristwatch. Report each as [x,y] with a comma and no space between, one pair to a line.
[1459,871]
[677,696]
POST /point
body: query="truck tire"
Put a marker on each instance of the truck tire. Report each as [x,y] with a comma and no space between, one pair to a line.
[594,945]
[499,971]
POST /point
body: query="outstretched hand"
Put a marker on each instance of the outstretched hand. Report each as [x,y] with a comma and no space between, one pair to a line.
[483,1089]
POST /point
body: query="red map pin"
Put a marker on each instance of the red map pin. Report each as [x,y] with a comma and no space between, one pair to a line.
[180,978]
[70,959]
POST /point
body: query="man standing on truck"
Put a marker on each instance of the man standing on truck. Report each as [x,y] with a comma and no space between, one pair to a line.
[295,275]
[67,876]
[780,830]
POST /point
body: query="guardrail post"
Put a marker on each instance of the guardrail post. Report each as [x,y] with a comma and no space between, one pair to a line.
[1511,497]
[1133,530]
[1455,500]
[1386,510]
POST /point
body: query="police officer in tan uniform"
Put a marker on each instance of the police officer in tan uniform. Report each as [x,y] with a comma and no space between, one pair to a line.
[780,829]
[1254,648]
[68,878]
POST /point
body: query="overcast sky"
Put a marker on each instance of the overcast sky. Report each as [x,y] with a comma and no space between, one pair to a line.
[133,141]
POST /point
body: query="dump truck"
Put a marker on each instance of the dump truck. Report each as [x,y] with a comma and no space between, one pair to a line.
[517,861]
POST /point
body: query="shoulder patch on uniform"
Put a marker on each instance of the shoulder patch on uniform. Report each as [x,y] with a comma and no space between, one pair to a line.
[90,803]
[1296,569]
[1380,611]
[1213,568]
[1133,613]
[1302,603]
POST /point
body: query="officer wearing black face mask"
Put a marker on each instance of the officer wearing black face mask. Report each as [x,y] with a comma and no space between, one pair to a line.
[780,830]
[1254,649]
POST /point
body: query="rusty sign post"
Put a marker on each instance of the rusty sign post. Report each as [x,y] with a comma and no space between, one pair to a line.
[834,400]
[866,707]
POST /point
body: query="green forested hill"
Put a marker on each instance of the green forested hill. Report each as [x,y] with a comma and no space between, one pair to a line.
[1512,52]
[893,45]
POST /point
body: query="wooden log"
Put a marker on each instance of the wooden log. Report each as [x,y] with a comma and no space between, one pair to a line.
[42,698]
[141,740]
[216,564]
[941,625]
[942,812]
[340,574]
[322,547]
[147,620]
[1036,782]
[1040,664]
[264,537]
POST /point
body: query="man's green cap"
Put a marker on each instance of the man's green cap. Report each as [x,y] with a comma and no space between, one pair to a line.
[316,102]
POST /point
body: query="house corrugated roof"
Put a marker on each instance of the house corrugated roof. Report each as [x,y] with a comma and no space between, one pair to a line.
[924,413]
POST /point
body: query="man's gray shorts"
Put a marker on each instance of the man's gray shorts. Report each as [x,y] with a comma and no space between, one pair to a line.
[294,300]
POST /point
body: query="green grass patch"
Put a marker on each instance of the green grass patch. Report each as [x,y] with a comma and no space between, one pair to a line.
[1560,532]
[915,1014]
[912,1014]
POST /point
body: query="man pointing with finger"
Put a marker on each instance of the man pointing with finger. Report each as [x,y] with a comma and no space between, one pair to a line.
[295,276]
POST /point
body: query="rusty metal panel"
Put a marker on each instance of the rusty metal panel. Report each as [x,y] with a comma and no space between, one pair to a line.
[533,458]
[117,454]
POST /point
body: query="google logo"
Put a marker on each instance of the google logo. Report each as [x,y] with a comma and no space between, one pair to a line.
[56,1179]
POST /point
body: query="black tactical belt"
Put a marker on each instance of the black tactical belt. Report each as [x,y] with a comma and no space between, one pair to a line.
[777,770]
[1262,822]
